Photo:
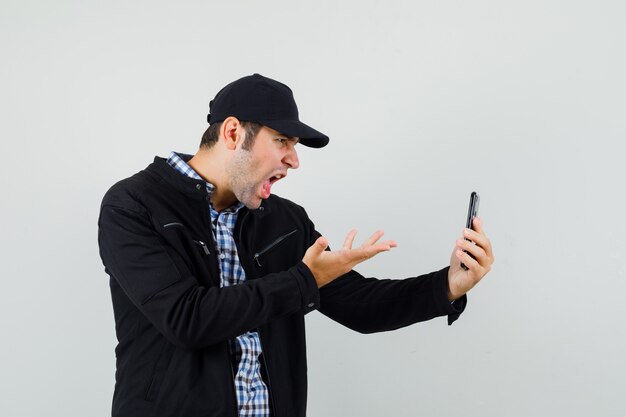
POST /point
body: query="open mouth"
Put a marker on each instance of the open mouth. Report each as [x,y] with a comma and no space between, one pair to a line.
[266,188]
[276,178]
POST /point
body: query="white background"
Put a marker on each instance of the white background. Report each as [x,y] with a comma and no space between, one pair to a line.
[424,101]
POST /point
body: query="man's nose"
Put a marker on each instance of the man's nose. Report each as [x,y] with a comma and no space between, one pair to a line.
[291,158]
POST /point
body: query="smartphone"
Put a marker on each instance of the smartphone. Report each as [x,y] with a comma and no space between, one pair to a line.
[471,213]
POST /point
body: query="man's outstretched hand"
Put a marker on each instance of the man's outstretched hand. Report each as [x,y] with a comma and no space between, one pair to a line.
[326,266]
[460,280]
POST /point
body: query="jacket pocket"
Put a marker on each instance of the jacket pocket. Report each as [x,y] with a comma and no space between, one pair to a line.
[275,243]
[201,245]
[159,371]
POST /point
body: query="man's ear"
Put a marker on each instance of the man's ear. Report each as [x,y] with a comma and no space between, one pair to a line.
[230,132]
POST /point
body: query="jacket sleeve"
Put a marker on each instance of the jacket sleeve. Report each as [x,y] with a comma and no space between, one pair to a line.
[160,285]
[370,305]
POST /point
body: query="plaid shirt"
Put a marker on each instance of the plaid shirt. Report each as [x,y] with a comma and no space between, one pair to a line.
[252,393]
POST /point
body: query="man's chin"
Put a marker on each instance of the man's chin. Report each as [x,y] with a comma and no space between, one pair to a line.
[253,203]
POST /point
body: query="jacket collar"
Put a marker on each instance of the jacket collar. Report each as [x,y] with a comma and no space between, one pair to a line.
[192,188]
[195,189]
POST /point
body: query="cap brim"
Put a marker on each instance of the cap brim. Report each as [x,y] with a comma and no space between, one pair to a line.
[293,128]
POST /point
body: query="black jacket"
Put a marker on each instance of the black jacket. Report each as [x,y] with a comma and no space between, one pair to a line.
[173,320]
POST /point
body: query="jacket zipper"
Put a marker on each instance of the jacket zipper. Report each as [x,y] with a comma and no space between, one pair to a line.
[267,372]
[200,243]
[256,258]
[173,224]
[271,245]
[245,216]
[204,246]
[232,374]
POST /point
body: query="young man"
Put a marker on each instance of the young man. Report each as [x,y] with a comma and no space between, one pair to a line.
[211,275]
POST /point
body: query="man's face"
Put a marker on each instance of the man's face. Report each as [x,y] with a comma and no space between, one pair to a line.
[253,172]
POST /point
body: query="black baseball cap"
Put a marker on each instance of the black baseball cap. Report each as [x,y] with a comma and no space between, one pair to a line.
[256,98]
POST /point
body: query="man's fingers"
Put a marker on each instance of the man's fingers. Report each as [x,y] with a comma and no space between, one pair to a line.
[326,266]
[478,236]
[482,257]
[373,239]
[387,244]
[364,253]
[347,244]
[477,225]
[469,262]
[476,251]
[349,241]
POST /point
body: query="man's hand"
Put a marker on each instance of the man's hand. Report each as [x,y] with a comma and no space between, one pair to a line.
[461,281]
[329,265]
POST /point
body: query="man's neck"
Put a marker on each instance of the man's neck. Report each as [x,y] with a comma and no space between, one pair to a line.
[212,170]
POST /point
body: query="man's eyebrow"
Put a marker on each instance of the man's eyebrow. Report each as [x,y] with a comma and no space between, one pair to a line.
[290,138]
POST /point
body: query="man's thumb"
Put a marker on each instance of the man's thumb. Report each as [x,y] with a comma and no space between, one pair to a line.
[315,250]
[321,244]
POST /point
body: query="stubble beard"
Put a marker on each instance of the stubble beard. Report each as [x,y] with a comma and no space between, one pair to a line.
[242,181]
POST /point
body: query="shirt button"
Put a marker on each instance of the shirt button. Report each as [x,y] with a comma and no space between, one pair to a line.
[222,256]
[198,186]
[311,305]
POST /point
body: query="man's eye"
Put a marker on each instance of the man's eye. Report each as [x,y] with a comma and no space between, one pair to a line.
[286,141]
